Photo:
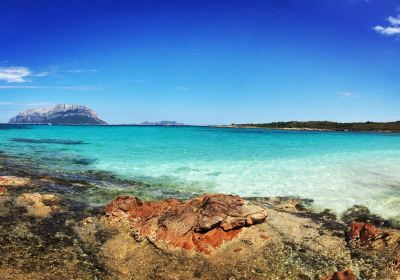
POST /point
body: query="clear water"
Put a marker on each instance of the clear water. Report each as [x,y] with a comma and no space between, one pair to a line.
[336,170]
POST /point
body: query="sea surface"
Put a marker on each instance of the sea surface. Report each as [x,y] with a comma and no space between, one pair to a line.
[335,169]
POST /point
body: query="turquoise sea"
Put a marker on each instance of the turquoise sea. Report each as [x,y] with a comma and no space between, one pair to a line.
[335,169]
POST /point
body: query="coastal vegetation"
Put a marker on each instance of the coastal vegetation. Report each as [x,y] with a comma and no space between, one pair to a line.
[328,125]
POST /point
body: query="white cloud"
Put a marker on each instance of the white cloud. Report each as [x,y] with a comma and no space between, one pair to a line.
[80,88]
[392,29]
[183,88]
[20,74]
[389,31]
[347,94]
[14,74]
[394,21]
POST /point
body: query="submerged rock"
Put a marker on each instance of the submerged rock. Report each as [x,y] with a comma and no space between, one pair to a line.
[36,204]
[13,181]
[203,223]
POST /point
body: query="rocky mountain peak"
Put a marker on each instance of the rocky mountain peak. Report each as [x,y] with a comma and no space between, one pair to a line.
[63,114]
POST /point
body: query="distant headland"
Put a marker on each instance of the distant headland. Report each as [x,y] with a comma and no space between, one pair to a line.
[325,125]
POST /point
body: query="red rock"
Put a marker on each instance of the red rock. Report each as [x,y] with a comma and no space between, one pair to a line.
[363,232]
[263,236]
[202,223]
[3,190]
[342,275]
[237,250]
[3,184]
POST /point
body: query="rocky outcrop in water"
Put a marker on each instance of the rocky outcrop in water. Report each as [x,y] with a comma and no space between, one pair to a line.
[61,114]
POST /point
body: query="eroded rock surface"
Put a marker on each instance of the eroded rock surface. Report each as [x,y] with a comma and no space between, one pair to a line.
[272,239]
[203,223]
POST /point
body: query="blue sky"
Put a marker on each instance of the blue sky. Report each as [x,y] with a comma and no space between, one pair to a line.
[203,61]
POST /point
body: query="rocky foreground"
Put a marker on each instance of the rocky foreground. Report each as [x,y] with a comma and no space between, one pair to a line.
[44,235]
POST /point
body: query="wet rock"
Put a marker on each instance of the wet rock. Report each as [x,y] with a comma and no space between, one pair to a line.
[342,275]
[363,232]
[203,223]
[290,204]
[36,204]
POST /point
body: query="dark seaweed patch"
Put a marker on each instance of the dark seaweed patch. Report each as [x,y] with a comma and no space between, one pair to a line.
[47,141]
[5,126]
[361,213]
[83,161]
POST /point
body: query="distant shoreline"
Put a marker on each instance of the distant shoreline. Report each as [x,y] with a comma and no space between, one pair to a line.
[303,129]
[389,127]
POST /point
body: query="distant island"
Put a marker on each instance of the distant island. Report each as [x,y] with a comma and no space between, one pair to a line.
[325,125]
[61,114]
[162,123]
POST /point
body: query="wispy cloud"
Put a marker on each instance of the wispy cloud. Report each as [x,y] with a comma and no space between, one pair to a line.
[392,29]
[79,71]
[183,88]
[14,74]
[79,88]
[21,74]
[347,94]
[43,103]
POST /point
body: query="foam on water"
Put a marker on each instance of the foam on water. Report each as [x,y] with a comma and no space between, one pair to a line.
[337,170]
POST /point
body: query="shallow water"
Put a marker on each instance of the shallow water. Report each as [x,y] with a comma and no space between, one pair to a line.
[336,169]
